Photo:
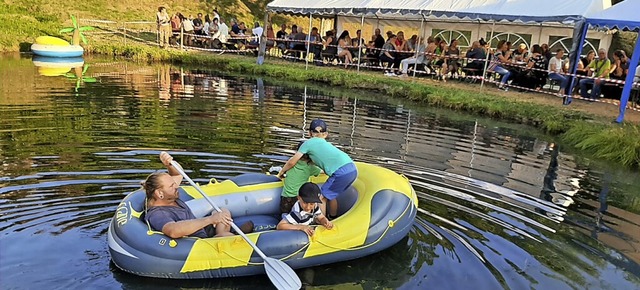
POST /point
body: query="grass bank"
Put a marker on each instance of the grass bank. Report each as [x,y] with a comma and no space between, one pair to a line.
[595,135]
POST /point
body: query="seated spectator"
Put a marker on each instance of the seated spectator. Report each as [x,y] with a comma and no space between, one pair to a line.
[256,34]
[294,31]
[223,32]
[476,55]
[620,66]
[555,70]
[451,60]
[206,25]
[270,36]
[420,58]
[412,43]
[343,48]
[187,27]
[389,34]
[330,44]
[584,62]
[636,79]
[441,48]
[315,40]
[401,46]
[535,74]
[521,54]
[299,40]
[282,34]
[546,52]
[600,68]
[388,55]
[237,34]
[357,43]
[176,21]
[198,25]
[497,63]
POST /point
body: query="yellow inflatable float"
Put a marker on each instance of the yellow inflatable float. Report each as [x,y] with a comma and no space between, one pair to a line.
[50,46]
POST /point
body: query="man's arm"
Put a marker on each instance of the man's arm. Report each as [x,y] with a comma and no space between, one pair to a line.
[187,227]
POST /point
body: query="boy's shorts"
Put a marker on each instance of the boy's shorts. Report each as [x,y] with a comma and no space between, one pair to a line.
[339,181]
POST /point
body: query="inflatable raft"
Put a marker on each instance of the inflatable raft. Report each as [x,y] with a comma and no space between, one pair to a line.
[55,47]
[375,213]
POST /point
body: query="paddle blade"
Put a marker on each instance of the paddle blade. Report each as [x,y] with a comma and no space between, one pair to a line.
[281,275]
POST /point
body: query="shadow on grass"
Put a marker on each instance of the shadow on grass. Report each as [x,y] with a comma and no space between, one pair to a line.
[25,46]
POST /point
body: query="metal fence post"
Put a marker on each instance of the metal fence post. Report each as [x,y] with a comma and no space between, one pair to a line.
[124,27]
[181,37]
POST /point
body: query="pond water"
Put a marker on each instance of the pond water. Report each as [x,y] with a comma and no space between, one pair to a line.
[501,205]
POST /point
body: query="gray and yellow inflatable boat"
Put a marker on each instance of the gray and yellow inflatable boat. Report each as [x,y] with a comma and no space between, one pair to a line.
[375,213]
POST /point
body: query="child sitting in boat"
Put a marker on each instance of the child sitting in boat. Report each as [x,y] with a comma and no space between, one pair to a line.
[296,177]
[305,211]
[335,163]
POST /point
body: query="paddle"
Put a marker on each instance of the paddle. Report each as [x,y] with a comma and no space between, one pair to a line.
[280,274]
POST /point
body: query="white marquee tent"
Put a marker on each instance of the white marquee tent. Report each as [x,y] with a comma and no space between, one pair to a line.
[518,21]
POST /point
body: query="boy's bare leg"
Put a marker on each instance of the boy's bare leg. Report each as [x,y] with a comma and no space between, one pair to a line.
[333,208]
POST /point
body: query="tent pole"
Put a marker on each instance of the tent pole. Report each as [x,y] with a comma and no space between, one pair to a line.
[418,42]
[486,61]
[306,58]
[628,83]
[360,41]
[566,100]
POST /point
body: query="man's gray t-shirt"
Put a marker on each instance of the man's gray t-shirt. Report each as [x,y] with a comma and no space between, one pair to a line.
[158,216]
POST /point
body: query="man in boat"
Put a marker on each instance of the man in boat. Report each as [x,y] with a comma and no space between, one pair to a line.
[305,211]
[167,213]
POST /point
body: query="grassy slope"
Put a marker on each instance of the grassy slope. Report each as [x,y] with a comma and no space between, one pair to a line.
[596,135]
[21,21]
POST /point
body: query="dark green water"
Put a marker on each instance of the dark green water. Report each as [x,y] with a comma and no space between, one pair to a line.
[500,206]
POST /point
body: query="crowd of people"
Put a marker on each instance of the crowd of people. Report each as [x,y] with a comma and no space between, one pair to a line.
[523,67]
[302,203]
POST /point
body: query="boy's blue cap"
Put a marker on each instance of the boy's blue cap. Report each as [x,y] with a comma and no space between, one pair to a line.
[310,193]
[318,126]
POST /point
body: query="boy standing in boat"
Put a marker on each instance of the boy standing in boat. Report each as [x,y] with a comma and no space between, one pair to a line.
[305,211]
[296,177]
[336,164]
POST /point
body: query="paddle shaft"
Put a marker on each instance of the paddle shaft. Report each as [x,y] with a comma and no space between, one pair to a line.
[280,274]
[213,204]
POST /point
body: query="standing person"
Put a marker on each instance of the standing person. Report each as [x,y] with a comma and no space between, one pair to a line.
[296,176]
[601,68]
[164,26]
[556,72]
[336,164]
[378,41]
[169,214]
[187,26]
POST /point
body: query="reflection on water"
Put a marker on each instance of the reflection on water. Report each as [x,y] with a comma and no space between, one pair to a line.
[501,206]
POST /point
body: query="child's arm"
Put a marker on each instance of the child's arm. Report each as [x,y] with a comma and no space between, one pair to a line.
[285,225]
[290,163]
[323,220]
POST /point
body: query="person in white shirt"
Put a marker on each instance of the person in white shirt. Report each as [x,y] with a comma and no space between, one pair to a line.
[256,34]
[223,31]
[555,70]
[637,77]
